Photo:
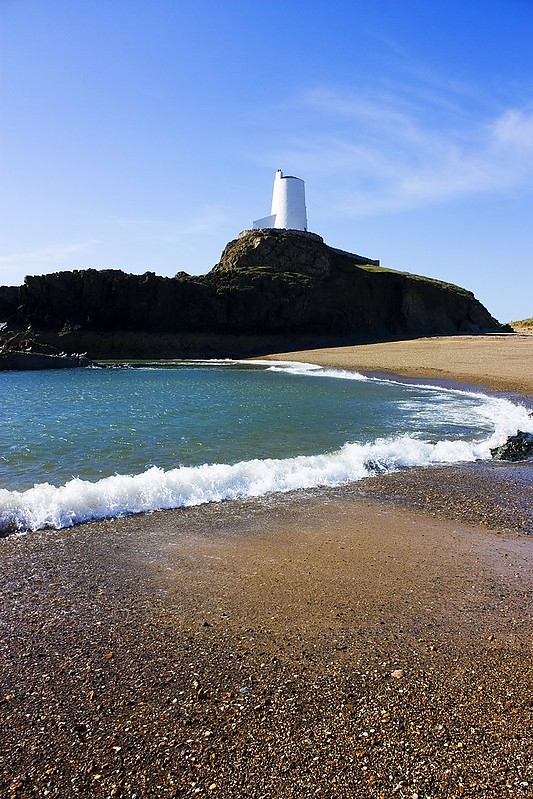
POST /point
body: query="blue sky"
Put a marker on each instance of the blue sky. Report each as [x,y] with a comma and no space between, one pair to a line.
[145,135]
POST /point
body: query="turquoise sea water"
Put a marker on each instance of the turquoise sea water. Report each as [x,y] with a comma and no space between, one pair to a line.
[91,443]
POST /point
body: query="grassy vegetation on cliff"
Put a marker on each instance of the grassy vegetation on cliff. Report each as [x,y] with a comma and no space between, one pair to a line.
[345,263]
[524,324]
[421,278]
[258,272]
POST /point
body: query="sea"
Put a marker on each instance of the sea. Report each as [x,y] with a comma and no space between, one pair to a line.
[85,444]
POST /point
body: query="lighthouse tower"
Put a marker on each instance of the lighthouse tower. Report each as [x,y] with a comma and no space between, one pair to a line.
[288,205]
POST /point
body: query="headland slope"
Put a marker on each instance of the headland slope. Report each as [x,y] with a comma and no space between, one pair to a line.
[271,290]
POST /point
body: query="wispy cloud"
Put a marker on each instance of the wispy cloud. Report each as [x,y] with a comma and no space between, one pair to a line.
[514,128]
[205,219]
[45,256]
[409,148]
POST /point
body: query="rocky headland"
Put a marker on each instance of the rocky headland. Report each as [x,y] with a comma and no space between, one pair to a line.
[271,290]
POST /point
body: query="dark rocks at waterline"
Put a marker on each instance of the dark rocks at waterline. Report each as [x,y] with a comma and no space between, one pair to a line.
[272,290]
[22,350]
[516,448]
[30,361]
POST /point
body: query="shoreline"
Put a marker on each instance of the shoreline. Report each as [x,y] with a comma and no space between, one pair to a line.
[496,362]
[368,641]
[495,495]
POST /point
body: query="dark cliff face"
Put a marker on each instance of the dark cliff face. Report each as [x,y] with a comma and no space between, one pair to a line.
[285,285]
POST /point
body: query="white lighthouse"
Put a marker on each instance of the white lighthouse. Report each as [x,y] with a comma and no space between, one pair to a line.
[288,205]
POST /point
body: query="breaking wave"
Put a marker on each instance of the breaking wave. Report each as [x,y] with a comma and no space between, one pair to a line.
[80,500]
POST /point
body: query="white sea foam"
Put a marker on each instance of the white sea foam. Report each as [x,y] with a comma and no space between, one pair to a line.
[288,367]
[155,489]
[310,369]
[79,500]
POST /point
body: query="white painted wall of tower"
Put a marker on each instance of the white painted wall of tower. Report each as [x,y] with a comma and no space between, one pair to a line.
[288,202]
[288,209]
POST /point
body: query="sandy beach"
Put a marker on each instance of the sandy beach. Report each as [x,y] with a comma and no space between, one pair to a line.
[370,641]
[497,362]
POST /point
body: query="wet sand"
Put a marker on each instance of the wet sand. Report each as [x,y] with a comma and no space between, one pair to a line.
[370,641]
[498,362]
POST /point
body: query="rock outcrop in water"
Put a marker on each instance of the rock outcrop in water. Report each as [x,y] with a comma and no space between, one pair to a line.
[272,290]
[516,448]
[23,351]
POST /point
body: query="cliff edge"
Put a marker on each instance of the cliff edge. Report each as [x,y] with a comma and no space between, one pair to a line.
[271,290]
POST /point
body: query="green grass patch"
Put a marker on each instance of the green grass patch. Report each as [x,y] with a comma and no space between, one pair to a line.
[524,324]
[420,278]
